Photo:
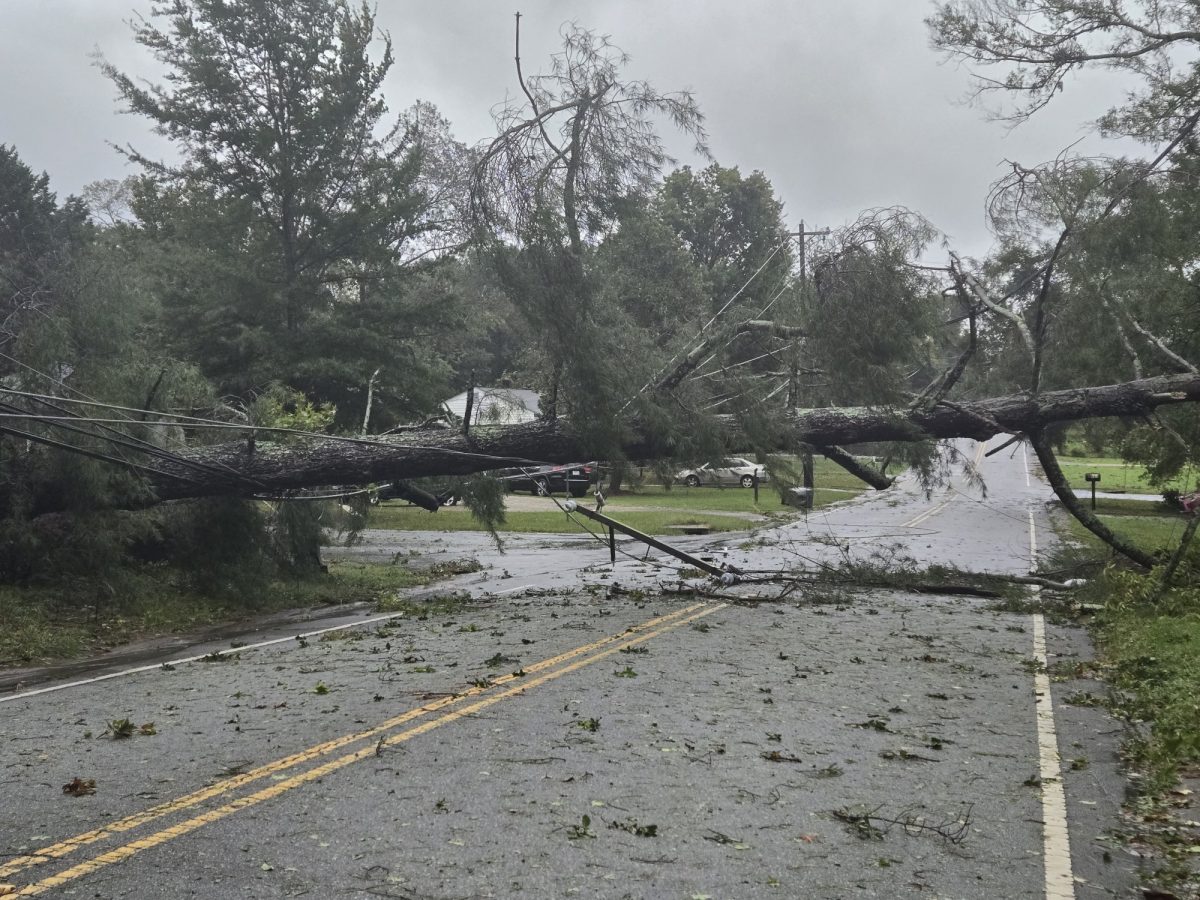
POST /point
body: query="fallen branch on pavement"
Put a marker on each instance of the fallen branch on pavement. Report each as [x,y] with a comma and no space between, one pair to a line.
[873,824]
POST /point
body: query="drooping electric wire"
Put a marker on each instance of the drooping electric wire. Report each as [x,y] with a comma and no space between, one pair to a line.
[691,343]
[185,421]
[92,454]
[117,439]
[45,400]
[697,375]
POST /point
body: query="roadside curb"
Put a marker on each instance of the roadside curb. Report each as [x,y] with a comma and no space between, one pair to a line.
[164,646]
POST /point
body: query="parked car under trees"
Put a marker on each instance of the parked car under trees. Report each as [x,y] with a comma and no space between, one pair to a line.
[731,470]
[573,478]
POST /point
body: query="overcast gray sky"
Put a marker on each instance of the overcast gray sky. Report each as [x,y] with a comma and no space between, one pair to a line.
[841,103]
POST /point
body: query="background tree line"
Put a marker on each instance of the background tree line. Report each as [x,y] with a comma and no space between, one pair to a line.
[307,249]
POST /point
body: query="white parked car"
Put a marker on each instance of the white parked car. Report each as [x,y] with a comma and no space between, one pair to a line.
[731,470]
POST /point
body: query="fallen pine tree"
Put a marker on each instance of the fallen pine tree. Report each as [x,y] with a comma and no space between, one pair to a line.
[260,466]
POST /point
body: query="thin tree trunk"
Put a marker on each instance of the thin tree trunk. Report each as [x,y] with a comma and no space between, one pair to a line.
[616,477]
[470,408]
[1168,574]
[370,399]
[1062,489]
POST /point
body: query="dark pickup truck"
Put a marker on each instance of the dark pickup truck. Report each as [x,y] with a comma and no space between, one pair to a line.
[574,479]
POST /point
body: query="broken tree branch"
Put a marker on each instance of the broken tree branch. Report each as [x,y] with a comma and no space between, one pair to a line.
[1039,311]
[1158,344]
[1151,338]
[855,466]
[1126,343]
[1168,573]
[416,496]
[942,385]
[980,292]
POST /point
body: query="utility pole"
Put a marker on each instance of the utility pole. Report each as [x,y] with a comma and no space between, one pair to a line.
[806,457]
[801,234]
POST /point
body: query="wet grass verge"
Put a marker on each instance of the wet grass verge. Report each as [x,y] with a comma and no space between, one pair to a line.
[1149,652]
[1152,526]
[726,499]
[670,508]
[1150,649]
[40,625]
[1115,475]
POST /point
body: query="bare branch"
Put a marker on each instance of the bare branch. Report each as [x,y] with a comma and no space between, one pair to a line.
[980,292]
[1122,334]
[937,389]
[1039,311]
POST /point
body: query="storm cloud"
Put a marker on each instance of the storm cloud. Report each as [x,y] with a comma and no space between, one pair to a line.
[841,103]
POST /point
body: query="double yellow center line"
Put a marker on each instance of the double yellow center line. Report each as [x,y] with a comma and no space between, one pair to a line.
[373,739]
[934,510]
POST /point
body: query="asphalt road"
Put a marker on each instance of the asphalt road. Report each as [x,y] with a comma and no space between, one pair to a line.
[553,736]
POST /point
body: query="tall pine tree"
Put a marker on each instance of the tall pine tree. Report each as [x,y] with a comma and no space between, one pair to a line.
[286,214]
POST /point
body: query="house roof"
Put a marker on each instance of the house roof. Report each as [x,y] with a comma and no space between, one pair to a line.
[496,405]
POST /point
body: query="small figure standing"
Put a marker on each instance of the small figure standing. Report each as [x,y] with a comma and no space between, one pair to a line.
[599,500]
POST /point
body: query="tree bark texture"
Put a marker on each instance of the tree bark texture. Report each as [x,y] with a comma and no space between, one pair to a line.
[273,467]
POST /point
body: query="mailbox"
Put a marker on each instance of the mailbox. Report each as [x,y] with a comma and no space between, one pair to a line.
[1091,476]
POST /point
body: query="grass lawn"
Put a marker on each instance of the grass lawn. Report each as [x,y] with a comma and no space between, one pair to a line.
[1150,651]
[680,496]
[1113,506]
[830,475]
[1155,660]
[1137,521]
[677,505]
[400,517]
[825,475]
[726,499]
[1116,475]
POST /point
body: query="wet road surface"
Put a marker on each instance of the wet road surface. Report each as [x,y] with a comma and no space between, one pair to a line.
[553,737]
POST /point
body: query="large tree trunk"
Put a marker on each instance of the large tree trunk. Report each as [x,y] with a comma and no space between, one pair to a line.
[271,468]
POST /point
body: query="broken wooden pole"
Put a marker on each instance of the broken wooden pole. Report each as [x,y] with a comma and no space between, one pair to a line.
[613,524]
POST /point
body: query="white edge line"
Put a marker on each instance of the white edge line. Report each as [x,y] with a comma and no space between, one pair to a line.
[188,659]
[1056,839]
